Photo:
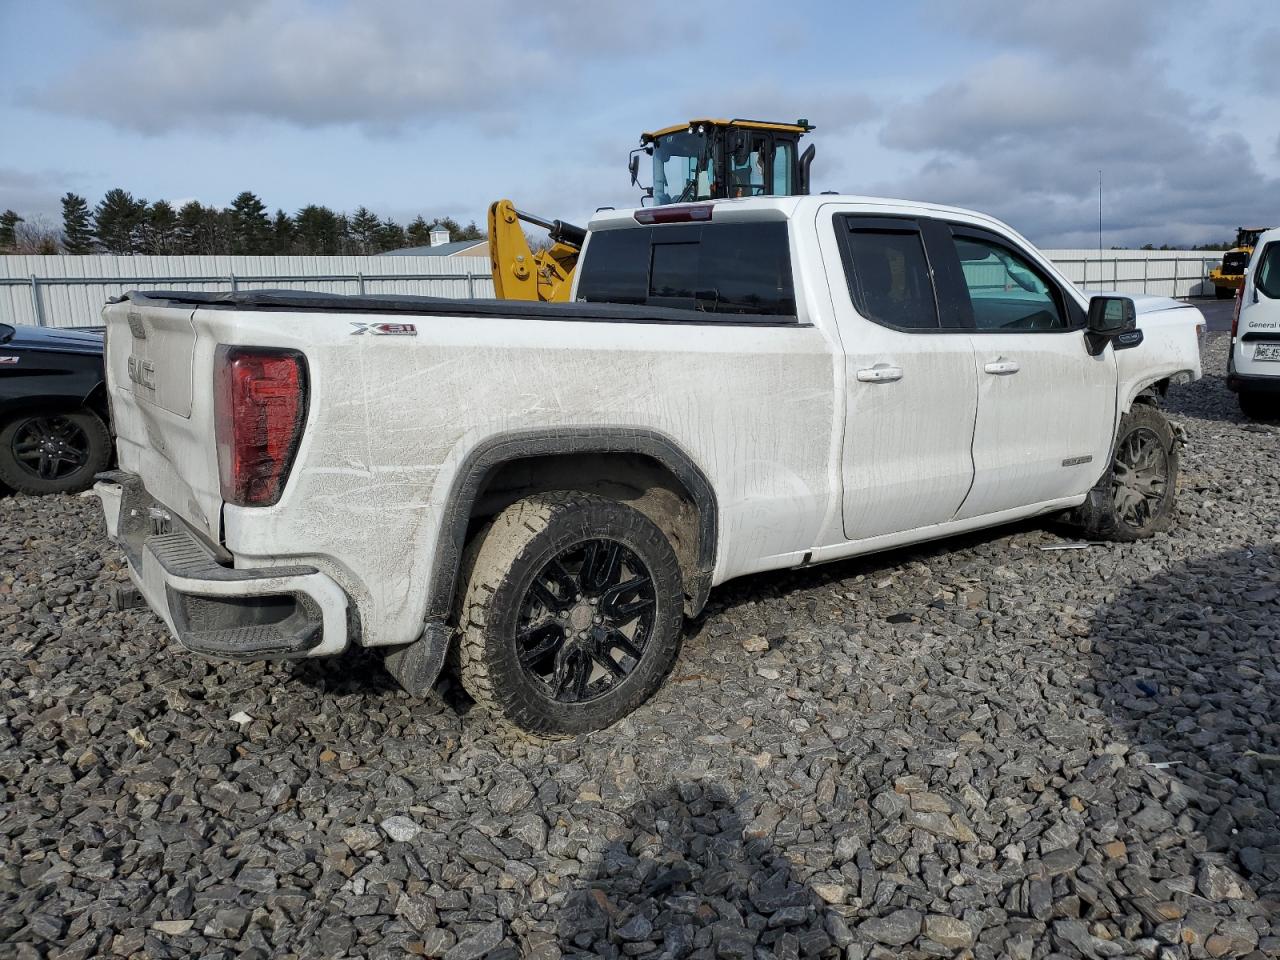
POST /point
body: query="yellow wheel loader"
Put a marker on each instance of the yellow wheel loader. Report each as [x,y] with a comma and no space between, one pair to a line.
[699,160]
[1229,277]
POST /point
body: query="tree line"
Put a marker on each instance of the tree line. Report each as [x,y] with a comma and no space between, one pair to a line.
[124,224]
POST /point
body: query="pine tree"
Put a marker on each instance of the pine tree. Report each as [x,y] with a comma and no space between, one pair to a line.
[418,233]
[190,220]
[119,221]
[250,225]
[282,231]
[162,228]
[470,232]
[364,230]
[77,235]
[342,228]
[8,231]
[316,231]
[390,235]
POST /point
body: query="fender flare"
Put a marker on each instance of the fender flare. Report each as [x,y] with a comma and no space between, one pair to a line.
[416,665]
[502,448]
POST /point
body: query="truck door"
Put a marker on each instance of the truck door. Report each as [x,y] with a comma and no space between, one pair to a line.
[1046,408]
[911,386]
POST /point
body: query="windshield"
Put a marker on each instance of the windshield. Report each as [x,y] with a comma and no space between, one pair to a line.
[682,169]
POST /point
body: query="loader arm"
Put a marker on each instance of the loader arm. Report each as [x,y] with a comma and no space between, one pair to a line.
[518,272]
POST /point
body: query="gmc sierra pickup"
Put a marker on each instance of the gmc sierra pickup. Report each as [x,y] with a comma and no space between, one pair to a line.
[548,489]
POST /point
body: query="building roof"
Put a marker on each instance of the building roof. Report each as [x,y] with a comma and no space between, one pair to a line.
[452,249]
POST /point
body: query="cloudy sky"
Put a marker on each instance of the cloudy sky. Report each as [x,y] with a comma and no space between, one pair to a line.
[440,106]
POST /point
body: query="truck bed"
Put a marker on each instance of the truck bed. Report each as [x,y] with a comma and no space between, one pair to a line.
[295,301]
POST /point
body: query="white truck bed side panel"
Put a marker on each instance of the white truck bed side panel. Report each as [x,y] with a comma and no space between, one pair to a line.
[392,418]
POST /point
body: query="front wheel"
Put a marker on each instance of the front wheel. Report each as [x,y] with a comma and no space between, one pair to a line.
[53,452]
[1137,496]
[1224,293]
[572,613]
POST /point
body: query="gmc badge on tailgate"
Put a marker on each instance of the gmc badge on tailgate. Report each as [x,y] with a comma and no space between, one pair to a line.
[142,372]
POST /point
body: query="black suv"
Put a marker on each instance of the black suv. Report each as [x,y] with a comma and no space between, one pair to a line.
[53,409]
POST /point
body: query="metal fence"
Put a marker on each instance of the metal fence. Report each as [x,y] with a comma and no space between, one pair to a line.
[1165,273]
[65,291]
[69,291]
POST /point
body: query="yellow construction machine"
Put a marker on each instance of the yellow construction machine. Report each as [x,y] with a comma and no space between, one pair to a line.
[699,160]
[1229,277]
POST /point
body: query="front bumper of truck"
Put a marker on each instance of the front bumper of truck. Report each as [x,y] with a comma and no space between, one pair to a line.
[212,607]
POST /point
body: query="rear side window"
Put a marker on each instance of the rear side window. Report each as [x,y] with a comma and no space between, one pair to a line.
[1268,274]
[888,274]
[742,268]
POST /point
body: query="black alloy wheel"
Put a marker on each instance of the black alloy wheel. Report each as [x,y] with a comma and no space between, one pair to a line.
[44,453]
[571,613]
[50,448]
[586,620]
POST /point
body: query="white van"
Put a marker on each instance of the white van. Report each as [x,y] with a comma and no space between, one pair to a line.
[1253,367]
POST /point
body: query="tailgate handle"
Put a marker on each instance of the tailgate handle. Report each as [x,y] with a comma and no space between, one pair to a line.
[1002,367]
[880,373]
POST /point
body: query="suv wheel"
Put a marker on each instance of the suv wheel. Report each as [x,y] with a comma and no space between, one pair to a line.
[1137,496]
[572,613]
[1258,406]
[53,452]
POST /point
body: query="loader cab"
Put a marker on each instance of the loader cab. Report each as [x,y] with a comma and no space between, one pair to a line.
[724,159]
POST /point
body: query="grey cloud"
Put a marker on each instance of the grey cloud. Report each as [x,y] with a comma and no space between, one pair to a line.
[180,12]
[34,193]
[380,66]
[1023,138]
[830,111]
[1102,31]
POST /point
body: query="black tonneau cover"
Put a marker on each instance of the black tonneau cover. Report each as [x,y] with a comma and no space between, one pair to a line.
[301,300]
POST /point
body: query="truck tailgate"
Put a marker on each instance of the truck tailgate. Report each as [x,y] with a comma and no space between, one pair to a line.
[156,366]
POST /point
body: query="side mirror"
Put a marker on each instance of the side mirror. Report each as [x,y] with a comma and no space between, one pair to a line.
[1112,320]
[634,167]
[6,332]
[1109,316]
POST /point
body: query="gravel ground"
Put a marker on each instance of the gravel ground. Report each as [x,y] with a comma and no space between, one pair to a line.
[978,748]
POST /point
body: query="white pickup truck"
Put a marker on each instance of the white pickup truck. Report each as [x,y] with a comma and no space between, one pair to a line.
[549,488]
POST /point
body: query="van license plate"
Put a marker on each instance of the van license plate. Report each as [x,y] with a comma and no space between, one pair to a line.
[1267,351]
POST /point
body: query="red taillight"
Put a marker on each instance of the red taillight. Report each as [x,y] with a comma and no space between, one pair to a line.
[1235,315]
[675,213]
[260,404]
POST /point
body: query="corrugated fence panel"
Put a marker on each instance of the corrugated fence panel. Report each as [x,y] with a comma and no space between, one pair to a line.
[1165,273]
[69,291]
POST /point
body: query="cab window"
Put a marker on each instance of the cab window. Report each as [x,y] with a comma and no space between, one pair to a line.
[742,268]
[1268,274]
[888,273]
[1008,293]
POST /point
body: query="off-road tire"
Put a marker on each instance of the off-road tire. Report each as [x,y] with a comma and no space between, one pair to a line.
[1224,293]
[97,451]
[501,565]
[1259,406]
[1100,515]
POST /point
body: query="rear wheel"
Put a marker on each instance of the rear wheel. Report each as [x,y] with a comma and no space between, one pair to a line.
[1224,293]
[572,613]
[1137,496]
[53,452]
[1258,406]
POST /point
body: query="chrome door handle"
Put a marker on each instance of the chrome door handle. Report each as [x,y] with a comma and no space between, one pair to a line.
[880,373]
[1002,367]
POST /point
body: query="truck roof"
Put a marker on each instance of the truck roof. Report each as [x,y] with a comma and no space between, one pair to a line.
[793,208]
